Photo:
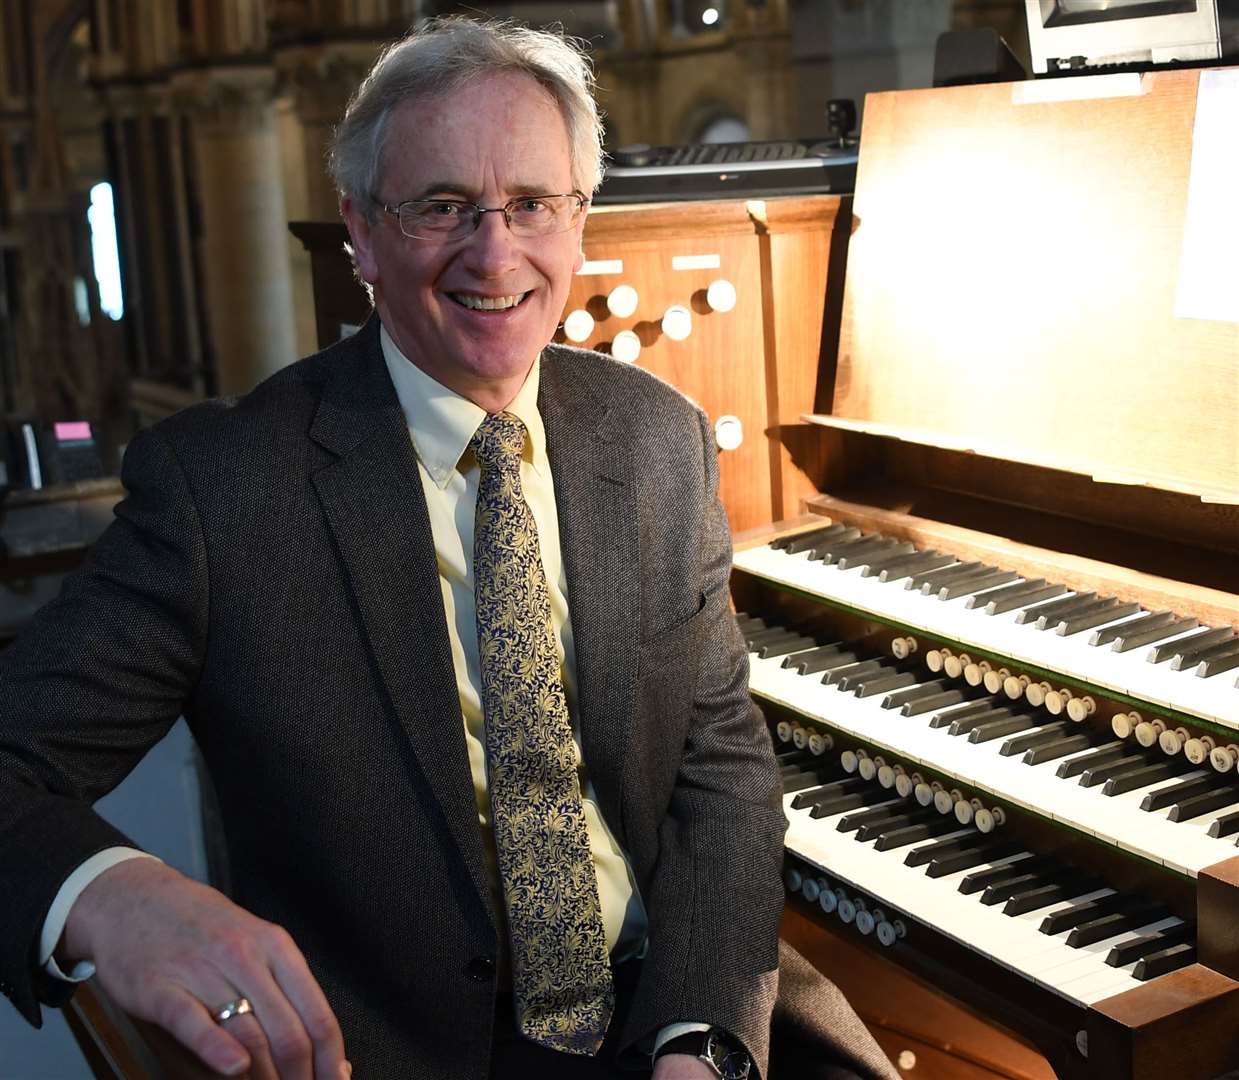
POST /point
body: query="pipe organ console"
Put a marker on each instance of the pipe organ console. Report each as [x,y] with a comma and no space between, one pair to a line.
[999,653]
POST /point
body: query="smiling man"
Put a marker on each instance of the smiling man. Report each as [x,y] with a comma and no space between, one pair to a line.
[446,607]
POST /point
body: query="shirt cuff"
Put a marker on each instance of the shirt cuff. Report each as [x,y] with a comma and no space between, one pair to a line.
[58,914]
[674,1031]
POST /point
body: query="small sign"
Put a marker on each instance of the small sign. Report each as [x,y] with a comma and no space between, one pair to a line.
[695,262]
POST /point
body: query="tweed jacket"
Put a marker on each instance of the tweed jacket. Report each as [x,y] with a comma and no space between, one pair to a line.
[271,575]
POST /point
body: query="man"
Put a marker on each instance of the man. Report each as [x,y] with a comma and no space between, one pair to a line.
[446,608]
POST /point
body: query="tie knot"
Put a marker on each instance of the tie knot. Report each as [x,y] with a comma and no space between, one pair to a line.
[499,441]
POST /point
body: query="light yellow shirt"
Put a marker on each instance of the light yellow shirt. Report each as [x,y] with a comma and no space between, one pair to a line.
[441,423]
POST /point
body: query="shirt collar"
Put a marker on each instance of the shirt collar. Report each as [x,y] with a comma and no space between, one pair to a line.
[441,422]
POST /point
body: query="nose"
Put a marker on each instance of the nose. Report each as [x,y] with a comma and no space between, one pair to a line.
[492,250]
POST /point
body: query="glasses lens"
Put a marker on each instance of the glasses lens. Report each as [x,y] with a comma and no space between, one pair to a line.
[543,214]
[436,219]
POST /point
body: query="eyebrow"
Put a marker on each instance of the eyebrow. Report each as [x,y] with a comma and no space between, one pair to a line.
[450,189]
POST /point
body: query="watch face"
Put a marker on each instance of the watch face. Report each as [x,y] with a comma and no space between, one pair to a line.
[732,1063]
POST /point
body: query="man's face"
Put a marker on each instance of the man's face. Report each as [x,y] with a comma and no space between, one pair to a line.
[497,138]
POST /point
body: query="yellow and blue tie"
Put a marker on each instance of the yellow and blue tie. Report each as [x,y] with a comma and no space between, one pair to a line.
[561,973]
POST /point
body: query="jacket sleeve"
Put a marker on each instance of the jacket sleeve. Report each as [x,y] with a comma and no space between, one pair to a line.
[716,898]
[100,675]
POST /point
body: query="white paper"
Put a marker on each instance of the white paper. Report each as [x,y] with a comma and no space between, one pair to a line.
[1209,263]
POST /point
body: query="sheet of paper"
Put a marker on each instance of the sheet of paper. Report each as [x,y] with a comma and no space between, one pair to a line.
[1209,263]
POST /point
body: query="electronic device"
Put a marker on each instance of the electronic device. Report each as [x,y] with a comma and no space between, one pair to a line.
[1078,36]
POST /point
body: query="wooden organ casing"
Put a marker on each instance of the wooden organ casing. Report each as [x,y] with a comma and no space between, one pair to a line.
[1025,380]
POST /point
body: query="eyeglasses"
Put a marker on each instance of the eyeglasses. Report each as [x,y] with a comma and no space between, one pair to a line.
[451,219]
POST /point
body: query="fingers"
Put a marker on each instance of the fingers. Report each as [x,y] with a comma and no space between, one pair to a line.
[293,975]
[185,1017]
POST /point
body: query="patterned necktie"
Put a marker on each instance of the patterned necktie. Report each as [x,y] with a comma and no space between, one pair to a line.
[561,973]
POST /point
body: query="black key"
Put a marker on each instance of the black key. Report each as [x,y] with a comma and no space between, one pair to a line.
[783,646]
[1055,749]
[1053,608]
[860,667]
[813,661]
[933,702]
[1104,771]
[1131,639]
[1218,663]
[841,803]
[1226,825]
[882,545]
[1149,774]
[979,880]
[1196,805]
[913,834]
[965,724]
[913,693]
[997,729]
[872,687]
[1138,948]
[918,816]
[797,761]
[1153,620]
[1096,757]
[849,786]
[749,622]
[834,550]
[1083,620]
[1039,736]
[967,858]
[1085,911]
[1189,660]
[873,565]
[995,606]
[971,707]
[1004,890]
[935,579]
[1018,589]
[1180,646]
[950,844]
[1166,961]
[1193,784]
[806,540]
[1033,899]
[771,633]
[1046,621]
[851,822]
[914,564]
[849,683]
[933,573]
[975,583]
[800,781]
[1118,922]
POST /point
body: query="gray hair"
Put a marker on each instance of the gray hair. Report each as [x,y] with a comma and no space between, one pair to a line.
[441,57]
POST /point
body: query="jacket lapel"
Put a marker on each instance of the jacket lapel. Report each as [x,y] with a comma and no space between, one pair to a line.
[595,500]
[373,501]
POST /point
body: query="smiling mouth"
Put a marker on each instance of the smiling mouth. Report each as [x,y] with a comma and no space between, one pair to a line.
[487,303]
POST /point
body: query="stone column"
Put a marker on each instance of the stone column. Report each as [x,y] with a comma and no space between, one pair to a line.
[244,249]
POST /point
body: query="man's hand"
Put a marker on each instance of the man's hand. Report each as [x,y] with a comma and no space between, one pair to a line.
[682,1067]
[171,951]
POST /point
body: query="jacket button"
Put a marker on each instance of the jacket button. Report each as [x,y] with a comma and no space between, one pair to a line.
[481,969]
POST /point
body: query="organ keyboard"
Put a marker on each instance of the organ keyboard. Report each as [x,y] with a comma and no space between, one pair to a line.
[999,650]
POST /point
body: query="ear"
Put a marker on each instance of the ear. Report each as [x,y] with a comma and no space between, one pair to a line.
[361,234]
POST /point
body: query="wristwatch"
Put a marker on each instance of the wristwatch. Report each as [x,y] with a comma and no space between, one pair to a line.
[728,1059]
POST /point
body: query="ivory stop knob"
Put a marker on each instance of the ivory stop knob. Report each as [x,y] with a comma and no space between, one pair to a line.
[677,322]
[905,783]
[1079,708]
[1013,686]
[974,673]
[828,901]
[1035,693]
[622,301]
[886,934]
[1198,750]
[954,665]
[800,737]
[943,802]
[1171,740]
[865,922]
[793,878]
[995,679]
[1056,700]
[810,889]
[903,647]
[850,760]
[988,820]
[783,729]
[1149,731]
[626,346]
[935,658]
[1224,758]
[721,295]
[1123,724]
[578,325]
[869,767]
[847,909]
[886,775]
[728,432]
[966,810]
[819,743]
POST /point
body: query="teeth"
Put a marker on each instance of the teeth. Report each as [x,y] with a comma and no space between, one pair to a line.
[488,303]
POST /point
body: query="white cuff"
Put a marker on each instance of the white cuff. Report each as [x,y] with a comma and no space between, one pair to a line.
[674,1031]
[58,914]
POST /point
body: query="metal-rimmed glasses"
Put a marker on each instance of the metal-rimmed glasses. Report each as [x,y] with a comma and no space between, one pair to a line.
[454,219]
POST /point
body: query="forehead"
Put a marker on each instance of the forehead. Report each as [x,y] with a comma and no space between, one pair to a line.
[502,130]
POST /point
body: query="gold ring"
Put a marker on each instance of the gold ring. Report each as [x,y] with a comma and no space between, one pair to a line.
[236,1007]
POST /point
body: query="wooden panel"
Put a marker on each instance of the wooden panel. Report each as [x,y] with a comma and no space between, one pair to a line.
[759,361]
[1011,282]
[1217,927]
